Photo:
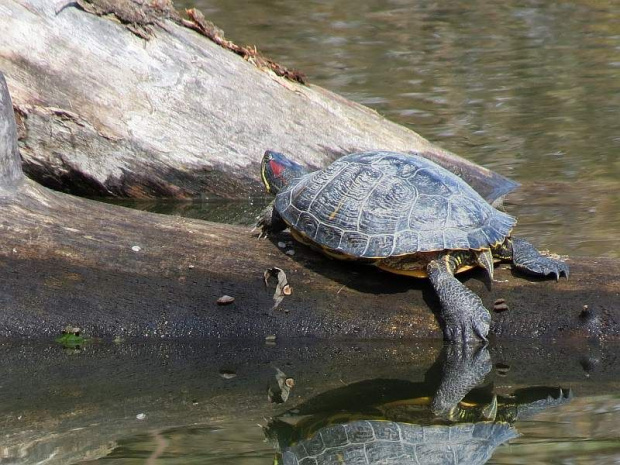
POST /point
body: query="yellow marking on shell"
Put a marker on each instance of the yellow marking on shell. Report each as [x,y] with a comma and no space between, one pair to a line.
[335,212]
[419,273]
[466,404]
[298,236]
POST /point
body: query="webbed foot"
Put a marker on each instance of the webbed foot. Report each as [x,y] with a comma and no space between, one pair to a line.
[527,259]
[465,318]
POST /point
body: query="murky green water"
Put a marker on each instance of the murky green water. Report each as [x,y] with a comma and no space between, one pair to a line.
[247,403]
[529,89]
[584,432]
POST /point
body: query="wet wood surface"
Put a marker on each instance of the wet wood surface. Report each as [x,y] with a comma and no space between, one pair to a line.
[119,272]
[116,272]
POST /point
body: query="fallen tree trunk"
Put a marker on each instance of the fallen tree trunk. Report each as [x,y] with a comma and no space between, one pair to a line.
[116,272]
[129,99]
[119,272]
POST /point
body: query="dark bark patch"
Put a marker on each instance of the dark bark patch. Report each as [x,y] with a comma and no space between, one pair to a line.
[137,17]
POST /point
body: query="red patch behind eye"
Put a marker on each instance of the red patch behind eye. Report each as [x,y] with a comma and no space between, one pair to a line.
[276,168]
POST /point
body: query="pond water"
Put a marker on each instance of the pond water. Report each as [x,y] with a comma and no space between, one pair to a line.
[530,89]
[251,403]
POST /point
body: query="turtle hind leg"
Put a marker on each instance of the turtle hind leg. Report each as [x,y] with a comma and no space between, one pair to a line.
[464,316]
[526,258]
[269,222]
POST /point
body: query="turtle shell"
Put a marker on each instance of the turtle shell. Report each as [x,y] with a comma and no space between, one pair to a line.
[383,204]
[388,442]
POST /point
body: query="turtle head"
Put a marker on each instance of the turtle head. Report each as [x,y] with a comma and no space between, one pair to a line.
[277,171]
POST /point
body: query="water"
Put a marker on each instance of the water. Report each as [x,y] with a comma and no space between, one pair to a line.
[583,432]
[221,402]
[530,89]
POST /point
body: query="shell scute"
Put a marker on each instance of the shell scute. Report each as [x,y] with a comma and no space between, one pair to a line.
[354,243]
[307,224]
[456,239]
[431,240]
[328,236]
[292,213]
[387,203]
[357,179]
[428,181]
[380,246]
[430,213]
[406,242]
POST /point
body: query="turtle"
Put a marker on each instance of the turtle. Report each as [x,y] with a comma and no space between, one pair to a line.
[404,214]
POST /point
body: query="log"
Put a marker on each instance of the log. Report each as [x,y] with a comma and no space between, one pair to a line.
[129,99]
[116,272]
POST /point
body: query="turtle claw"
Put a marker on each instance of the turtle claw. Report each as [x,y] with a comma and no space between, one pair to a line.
[467,324]
[562,268]
[546,266]
[269,221]
[262,233]
[526,258]
[489,412]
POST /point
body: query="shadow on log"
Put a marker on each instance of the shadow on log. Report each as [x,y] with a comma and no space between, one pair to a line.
[118,272]
[129,99]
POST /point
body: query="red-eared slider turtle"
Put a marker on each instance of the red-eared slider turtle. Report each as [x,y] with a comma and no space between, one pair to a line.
[404,214]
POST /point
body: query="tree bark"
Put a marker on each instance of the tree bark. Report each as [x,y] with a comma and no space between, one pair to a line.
[128,99]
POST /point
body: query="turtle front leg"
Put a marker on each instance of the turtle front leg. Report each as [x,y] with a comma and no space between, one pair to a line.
[526,258]
[269,221]
[465,317]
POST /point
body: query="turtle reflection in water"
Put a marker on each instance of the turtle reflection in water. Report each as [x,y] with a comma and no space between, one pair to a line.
[443,420]
[406,215]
